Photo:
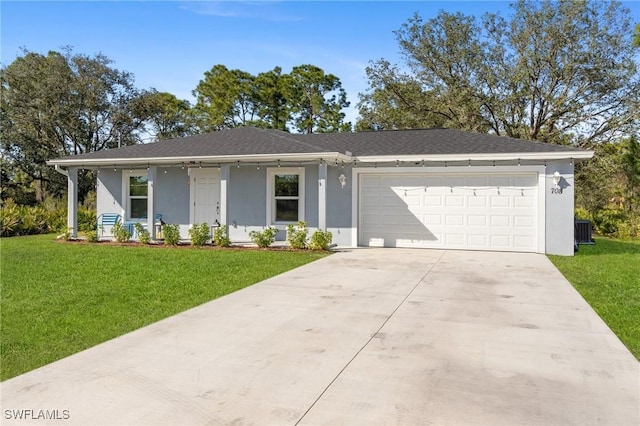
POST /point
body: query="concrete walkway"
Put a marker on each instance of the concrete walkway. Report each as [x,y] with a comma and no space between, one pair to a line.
[363,337]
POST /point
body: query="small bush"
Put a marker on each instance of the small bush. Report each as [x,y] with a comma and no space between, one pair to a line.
[87,219]
[297,235]
[320,240]
[221,236]
[120,233]
[9,218]
[199,234]
[171,234]
[607,221]
[92,236]
[143,235]
[265,238]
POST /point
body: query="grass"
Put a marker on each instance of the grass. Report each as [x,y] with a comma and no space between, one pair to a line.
[60,298]
[607,275]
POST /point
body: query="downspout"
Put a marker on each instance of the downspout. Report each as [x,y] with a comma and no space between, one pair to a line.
[61,170]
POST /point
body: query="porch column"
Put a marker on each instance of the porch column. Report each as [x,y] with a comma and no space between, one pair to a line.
[72,202]
[322,197]
[224,185]
[151,205]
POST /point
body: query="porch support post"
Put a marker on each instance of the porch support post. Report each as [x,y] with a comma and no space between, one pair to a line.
[225,170]
[322,196]
[72,202]
[151,205]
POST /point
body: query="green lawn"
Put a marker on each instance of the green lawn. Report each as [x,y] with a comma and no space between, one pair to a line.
[607,275]
[60,298]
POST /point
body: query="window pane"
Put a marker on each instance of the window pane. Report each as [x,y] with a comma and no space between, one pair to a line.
[286,186]
[138,208]
[138,186]
[286,210]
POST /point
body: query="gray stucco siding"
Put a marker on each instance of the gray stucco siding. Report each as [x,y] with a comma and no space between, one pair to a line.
[109,191]
[172,195]
[559,209]
[311,195]
[246,200]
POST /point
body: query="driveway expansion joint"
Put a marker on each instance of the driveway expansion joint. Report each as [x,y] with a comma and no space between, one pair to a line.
[373,336]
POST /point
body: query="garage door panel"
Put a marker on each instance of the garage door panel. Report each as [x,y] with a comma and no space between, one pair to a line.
[478,211]
[500,241]
[500,221]
[477,201]
[454,220]
[477,241]
[454,201]
[433,200]
[477,220]
[432,219]
[523,221]
[523,202]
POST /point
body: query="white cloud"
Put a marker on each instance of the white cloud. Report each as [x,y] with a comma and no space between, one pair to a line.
[261,10]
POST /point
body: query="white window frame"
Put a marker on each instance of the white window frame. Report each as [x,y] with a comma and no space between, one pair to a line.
[271,193]
[126,174]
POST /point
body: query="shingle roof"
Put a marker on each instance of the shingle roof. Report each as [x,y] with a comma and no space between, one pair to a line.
[250,141]
[427,142]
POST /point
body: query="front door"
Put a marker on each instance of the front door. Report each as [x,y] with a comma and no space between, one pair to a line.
[205,195]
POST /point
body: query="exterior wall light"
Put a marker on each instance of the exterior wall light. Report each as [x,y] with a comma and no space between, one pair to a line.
[556,178]
[343,179]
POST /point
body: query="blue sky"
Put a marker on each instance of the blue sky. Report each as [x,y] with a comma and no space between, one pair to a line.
[169,45]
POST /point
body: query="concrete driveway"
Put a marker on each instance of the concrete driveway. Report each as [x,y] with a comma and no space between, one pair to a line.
[363,337]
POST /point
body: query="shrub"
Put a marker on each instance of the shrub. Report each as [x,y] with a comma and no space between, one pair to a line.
[199,234]
[265,238]
[607,221]
[297,235]
[9,218]
[92,236]
[171,234]
[120,233]
[87,220]
[143,235]
[221,236]
[320,240]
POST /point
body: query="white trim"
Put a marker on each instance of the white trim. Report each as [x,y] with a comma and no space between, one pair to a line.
[322,196]
[195,160]
[271,173]
[505,170]
[326,156]
[126,174]
[225,173]
[576,155]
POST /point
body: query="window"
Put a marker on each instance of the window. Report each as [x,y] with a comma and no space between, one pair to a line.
[136,186]
[286,195]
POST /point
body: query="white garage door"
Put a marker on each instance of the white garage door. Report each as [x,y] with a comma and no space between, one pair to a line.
[456,211]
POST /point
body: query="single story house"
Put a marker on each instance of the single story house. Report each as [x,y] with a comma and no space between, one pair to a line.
[429,188]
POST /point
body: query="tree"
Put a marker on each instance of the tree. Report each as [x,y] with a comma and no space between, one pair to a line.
[307,99]
[62,104]
[630,162]
[317,100]
[636,36]
[553,70]
[272,97]
[225,99]
[167,116]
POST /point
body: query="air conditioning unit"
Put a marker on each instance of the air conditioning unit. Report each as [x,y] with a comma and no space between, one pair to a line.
[582,232]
